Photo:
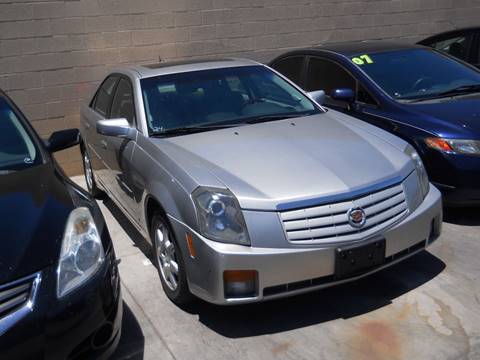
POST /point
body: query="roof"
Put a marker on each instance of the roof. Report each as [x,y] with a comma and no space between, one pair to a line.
[163,68]
[362,47]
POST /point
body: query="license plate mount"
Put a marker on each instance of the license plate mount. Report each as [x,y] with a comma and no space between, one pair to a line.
[356,260]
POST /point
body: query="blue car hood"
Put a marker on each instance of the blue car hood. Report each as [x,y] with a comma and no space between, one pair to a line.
[457,117]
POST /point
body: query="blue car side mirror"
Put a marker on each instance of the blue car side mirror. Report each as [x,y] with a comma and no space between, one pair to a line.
[346,95]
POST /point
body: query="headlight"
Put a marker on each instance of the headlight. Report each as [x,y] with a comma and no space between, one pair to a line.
[419,169]
[81,254]
[451,146]
[219,216]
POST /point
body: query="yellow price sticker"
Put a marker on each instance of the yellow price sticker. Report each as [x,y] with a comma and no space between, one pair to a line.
[362,60]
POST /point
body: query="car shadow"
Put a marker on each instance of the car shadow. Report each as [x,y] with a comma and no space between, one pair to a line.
[132,341]
[137,238]
[469,216]
[340,302]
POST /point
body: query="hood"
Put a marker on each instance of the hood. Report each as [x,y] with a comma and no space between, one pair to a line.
[271,165]
[457,117]
[34,207]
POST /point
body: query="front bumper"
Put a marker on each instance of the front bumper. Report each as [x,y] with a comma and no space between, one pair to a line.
[456,176]
[459,196]
[85,324]
[294,270]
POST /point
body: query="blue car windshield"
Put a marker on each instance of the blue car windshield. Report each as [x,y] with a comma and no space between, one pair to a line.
[228,96]
[417,73]
[17,150]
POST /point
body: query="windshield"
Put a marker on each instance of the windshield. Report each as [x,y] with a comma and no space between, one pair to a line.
[229,96]
[17,150]
[416,73]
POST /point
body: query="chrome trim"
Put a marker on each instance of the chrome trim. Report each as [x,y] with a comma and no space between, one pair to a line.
[13,318]
[342,197]
[330,223]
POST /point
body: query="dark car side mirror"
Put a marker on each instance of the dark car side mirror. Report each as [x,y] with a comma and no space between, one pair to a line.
[115,128]
[345,95]
[64,139]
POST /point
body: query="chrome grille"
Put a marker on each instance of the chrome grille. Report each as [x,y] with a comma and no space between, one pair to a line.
[16,300]
[329,223]
[14,296]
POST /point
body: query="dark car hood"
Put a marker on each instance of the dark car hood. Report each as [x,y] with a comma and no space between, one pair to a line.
[34,206]
[457,117]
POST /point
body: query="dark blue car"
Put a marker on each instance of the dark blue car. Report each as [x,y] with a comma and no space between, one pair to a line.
[428,98]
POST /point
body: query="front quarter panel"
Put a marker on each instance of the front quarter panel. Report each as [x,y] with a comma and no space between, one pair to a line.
[158,177]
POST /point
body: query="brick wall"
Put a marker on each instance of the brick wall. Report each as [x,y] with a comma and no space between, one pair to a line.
[54,53]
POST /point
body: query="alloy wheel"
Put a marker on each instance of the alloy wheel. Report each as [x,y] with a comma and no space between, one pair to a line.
[88,171]
[166,256]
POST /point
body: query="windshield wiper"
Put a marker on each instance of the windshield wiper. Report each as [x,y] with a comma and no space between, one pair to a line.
[274,117]
[188,130]
[464,89]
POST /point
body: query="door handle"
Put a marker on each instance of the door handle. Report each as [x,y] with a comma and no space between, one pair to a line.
[104,144]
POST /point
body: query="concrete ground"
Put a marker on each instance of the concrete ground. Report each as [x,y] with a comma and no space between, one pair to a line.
[427,307]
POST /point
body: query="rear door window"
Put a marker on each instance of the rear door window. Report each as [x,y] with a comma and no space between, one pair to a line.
[103,99]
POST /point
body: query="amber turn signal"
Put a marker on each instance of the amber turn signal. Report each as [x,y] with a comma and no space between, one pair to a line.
[439,144]
[191,248]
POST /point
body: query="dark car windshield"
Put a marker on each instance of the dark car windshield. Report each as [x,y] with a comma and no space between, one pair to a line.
[228,96]
[17,150]
[417,73]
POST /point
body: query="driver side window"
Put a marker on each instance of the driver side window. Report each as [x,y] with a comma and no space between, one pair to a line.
[328,76]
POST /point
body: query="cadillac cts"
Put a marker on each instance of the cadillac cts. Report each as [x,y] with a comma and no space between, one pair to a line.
[248,189]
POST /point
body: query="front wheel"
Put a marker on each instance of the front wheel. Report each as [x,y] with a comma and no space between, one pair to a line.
[89,178]
[168,260]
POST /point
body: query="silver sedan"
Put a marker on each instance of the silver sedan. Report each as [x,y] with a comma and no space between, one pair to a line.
[247,189]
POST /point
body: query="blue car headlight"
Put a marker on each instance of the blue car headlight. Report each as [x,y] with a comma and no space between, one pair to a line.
[454,146]
[81,254]
[219,216]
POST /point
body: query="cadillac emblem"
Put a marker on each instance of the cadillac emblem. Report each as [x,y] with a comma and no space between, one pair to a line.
[356,217]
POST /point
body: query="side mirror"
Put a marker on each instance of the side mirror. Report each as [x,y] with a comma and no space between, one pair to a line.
[115,127]
[318,96]
[346,95]
[64,139]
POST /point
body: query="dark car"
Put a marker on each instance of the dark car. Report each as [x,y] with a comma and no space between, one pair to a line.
[59,284]
[463,44]
[426,97]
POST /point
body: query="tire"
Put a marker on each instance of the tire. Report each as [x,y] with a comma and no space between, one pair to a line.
[165,253]
[90,178]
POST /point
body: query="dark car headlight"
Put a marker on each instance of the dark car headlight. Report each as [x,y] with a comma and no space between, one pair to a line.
[82,251]
[219,216]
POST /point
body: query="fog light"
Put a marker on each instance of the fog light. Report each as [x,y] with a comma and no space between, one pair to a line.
[240,283]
